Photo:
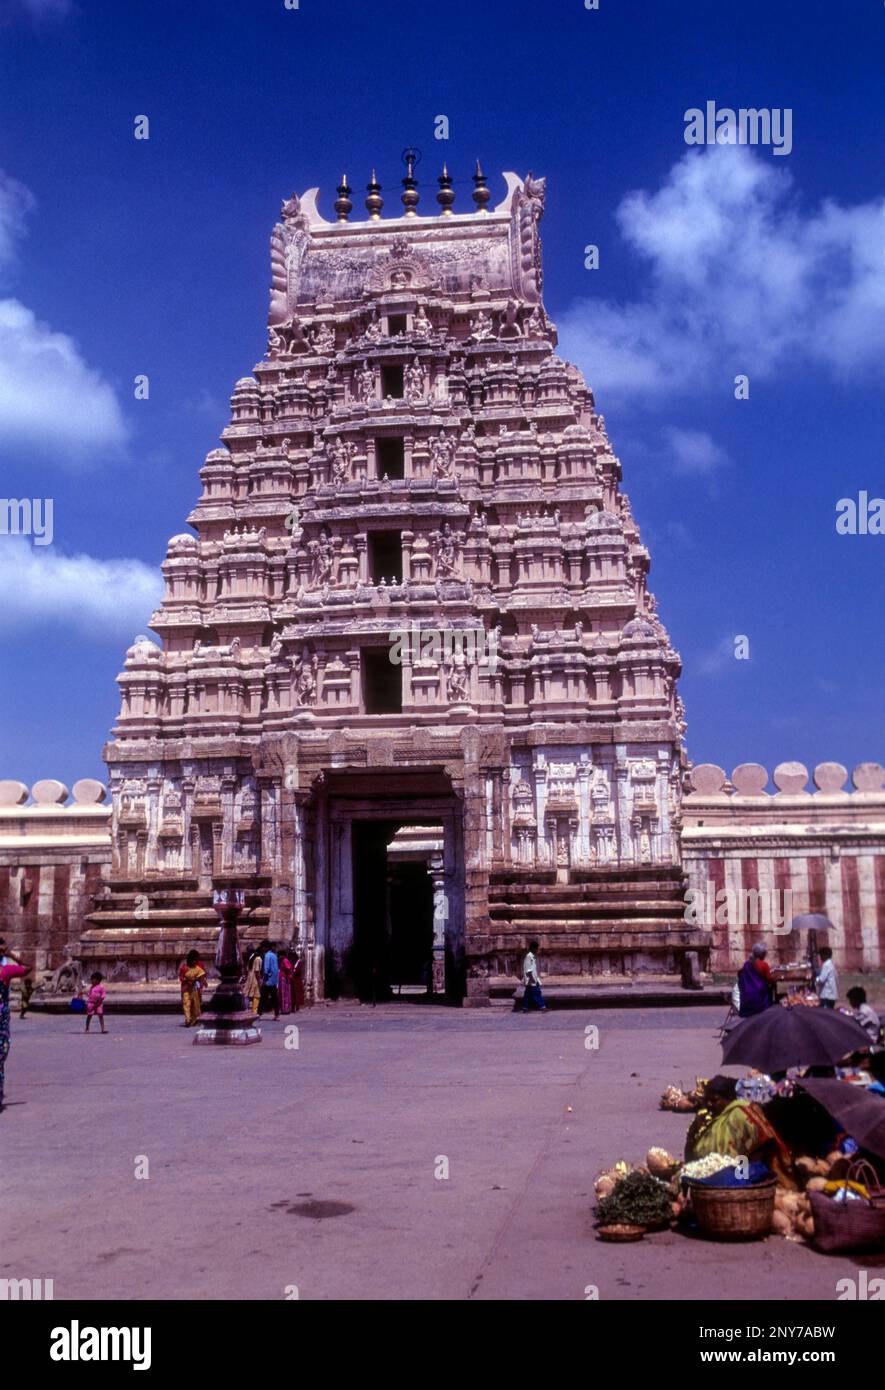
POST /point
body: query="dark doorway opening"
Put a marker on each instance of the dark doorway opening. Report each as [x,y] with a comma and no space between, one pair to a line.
[390,457]
[382,681]
[385,556]
[393,915]
[370,956]
[410,904]
[396,325]
[392,381]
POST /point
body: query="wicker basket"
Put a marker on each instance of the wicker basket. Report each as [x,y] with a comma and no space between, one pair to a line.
[734,1213]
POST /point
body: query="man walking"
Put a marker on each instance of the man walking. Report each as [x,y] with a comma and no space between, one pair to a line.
[827,983]
[270,981]
[531,978]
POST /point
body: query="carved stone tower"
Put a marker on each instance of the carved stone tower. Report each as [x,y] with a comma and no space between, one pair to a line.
[413,604]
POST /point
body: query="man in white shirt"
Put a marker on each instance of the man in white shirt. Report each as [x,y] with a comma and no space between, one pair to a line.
[827,984]
[531,978]
[865,1013]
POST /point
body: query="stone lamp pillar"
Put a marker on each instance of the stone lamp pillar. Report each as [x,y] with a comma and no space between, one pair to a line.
[228,1018]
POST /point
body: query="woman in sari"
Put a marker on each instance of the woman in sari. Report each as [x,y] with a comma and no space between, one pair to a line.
[755,983]
[252,986]
[192,977]
[287,971]
[8,972]
[737,1129]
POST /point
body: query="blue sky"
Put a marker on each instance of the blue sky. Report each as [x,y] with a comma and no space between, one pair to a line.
[120,257]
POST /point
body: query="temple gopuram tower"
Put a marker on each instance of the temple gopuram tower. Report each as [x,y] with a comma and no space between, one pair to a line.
[410,690]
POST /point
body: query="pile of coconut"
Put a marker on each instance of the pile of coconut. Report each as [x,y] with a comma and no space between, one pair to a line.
[792,1210]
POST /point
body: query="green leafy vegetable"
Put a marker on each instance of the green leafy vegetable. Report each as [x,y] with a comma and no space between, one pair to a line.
[638,1200]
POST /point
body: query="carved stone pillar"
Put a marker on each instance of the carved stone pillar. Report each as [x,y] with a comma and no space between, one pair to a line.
[217,855]
[440,921]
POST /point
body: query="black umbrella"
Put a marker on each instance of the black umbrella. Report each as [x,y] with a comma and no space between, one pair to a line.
[860,1113]
[803,1036]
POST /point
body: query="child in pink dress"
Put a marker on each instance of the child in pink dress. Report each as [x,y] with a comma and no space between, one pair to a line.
[95,1001]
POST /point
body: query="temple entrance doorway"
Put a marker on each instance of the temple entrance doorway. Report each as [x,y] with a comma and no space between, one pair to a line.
[389,874]
[394,867]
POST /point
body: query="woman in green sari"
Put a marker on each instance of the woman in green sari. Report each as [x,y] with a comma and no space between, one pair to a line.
[737,1129]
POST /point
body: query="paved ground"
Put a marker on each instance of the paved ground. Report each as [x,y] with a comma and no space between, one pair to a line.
[242,1142]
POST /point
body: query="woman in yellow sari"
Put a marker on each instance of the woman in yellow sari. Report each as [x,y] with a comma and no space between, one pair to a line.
[252,984]
[738,1129]
[192,976]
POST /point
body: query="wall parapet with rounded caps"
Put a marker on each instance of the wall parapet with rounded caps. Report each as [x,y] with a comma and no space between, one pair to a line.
[50,795]
[789,779]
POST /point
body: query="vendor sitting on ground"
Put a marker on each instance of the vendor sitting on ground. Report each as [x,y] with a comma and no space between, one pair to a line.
[864,1013]
[755,984]
[736,1128]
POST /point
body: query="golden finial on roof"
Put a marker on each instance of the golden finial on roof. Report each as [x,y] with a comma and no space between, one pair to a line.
[410,194]
[343,205]
[446,195]
[374,202]
[481,194]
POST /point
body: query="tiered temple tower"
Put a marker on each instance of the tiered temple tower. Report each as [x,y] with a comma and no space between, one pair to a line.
[413,604]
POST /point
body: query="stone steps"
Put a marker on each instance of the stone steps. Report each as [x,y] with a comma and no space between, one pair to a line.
[582,911]
[157,916]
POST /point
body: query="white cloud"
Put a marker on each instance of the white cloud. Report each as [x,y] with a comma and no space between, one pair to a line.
[715,661]
[49,397]
[51,400]
[46,9]
[694,451]
[104,598]
[741,279]
[15,202]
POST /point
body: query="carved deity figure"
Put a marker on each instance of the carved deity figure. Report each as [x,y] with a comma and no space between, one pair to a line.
[681,721]
[447,546]
[537,324]
[510,324]
[322,554]
[421,325]
[457,678]
[305,669]
[483,328]
[442,456]
[415,381]
[600,794]
[374,332]
[286,339]
[324,339]
[365,383]
[342,452]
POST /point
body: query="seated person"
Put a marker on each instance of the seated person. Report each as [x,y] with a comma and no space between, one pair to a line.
[865,1013]
[738,1129]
